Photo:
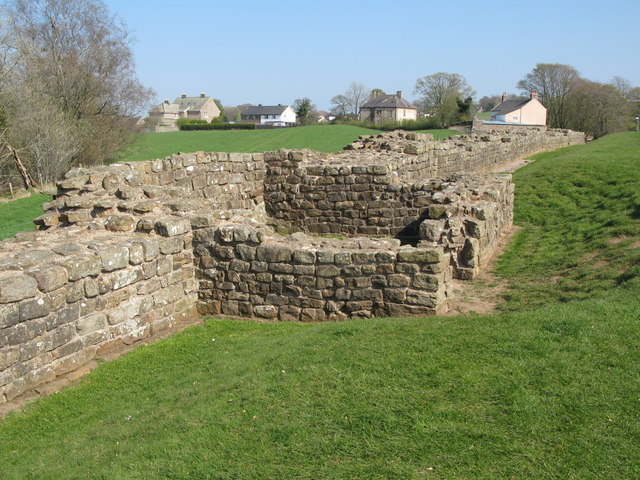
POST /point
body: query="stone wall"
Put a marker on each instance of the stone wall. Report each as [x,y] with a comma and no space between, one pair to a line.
[382,184]
[130,250]
[246,271]
[69,296]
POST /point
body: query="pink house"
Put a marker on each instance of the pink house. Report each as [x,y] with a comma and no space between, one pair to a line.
[520,112]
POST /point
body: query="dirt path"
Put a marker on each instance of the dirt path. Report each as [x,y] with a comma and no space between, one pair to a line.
[483,294]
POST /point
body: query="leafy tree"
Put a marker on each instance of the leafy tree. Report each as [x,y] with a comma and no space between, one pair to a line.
[597,109]
[554,83]
[68,84]
[305,110]
[440,93]
[222,116]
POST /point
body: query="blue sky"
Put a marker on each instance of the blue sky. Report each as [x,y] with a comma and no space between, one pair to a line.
[275,51]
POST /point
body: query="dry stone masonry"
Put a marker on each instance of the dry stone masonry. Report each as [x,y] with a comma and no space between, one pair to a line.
[126,251]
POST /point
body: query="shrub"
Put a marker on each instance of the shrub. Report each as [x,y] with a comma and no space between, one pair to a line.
[420,124]
[217,126]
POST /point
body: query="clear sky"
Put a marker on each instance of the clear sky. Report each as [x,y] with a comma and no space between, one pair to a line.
[274,51]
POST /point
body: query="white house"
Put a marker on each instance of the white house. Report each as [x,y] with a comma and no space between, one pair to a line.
[274,115]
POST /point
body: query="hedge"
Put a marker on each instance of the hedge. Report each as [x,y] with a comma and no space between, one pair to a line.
[218,126]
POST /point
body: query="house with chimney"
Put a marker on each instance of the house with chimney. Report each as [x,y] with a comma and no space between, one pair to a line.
[200,108]
[529,112]
[387,108]
[270,115]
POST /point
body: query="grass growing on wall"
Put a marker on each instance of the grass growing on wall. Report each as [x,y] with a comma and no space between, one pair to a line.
[17,215]
[549,391]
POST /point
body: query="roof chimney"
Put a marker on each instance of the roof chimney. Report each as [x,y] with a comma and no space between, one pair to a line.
[534,94]
[202,95]
[399,94]
[505,96]
[184,95]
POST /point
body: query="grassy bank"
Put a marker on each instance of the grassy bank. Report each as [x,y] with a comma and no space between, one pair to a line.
[547,390]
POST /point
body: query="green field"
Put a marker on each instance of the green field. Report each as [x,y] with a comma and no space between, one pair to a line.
[548,389]
[322,138]
[17,215]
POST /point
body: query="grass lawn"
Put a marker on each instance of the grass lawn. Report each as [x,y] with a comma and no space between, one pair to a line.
[322,138]
[17,215]
[548,389]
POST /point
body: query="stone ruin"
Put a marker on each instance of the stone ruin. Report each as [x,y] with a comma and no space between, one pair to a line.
[127,251]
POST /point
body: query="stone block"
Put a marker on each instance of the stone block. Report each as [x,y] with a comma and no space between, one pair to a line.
[49,277]
[170,227]
[123,278]
[420,255]
[91,323]
[9,315]
[113,258]
[15,286]
[120,223]
[81,266]
[265,311]
[274,253]
[35,308]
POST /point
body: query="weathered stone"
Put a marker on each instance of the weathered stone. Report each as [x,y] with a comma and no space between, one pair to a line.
[421,255]
[274,253]
[34,308]
[80,266]
[91,323]
[113,258]
[16,286]
[120,223]
[171,227]
[265,311]
[49,277]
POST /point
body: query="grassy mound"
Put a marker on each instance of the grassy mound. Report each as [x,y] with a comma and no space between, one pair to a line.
[549,391]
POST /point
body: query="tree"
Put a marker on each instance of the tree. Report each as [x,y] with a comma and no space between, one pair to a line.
[68,84]
[348,104]
[554,83]
[222,117]
[305,110]
[441,92]
[596,108]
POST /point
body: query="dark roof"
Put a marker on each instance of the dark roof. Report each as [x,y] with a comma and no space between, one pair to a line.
[265,110]
[388,101]
[509,106]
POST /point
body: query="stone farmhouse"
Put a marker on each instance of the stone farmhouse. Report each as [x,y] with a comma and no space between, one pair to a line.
[198,108]
[388,108]
[520,112]
[272,115]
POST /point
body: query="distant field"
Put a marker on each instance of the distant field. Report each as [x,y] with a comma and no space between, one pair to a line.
[322,138]
[18,215]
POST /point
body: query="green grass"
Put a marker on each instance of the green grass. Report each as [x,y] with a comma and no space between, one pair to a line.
[548,389]
[17,215]
[322,138]
[580,212]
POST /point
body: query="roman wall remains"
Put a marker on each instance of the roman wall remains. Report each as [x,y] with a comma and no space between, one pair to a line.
[128,251]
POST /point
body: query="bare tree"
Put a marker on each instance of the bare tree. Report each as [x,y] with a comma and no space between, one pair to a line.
[440,93]
[554,83]
[348,104]
[68,87]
